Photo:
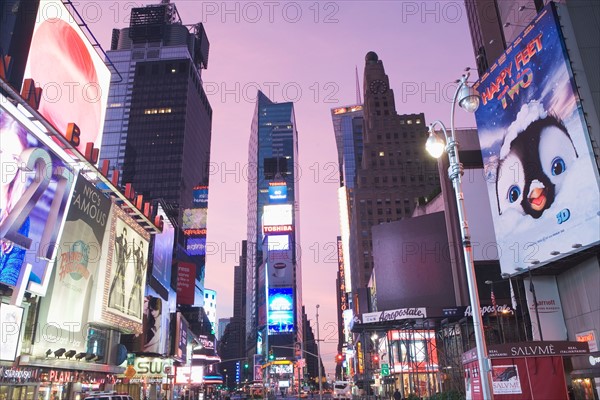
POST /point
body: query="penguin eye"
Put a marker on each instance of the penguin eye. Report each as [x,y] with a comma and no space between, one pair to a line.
[513,193]
[558,166]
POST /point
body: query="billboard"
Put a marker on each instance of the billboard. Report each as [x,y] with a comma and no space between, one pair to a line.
[278,242]
[549,308]
[186,276]
[155,310]
[541,175]
[118,298]
[280,268]
[179,327]
[74,78]
[10,328]
[35,190]
[196,246]
[76,268]
[200,197]
[277,192]
[280,310]
[280,214]
[127,272]
[162,251]
[261,297]
[194,218]
[189,375]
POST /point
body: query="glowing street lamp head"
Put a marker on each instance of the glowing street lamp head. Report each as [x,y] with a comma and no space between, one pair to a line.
[434,145]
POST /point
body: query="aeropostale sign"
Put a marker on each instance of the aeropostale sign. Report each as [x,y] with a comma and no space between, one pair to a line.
[395,315]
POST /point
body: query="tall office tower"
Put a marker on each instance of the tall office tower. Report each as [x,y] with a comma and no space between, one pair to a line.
[223,322]
[348,128]
[394,172]
[274,279]
[232,343]
[239,284]
[311,351]
[348,124]
[157,130]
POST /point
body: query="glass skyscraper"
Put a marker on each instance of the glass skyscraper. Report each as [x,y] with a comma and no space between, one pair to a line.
[273,228]
[157,131]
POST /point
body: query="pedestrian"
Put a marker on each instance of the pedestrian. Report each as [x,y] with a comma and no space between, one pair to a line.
[397,395]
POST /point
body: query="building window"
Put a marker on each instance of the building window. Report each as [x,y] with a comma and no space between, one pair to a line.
[381,153]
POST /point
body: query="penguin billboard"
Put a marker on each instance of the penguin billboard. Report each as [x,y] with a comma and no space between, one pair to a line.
[542,178]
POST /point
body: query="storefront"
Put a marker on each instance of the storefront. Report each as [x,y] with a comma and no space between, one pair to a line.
[145,378]
[25,383]
[19,383]
[585,377]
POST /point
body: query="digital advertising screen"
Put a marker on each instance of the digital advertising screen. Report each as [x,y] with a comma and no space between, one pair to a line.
[280,268]
[163,250]
[73,77]
[186,278]
[200,197]
[280,310]
[280,214]
[281,322]
[541,176]
[277,192]
[196,246]
[185,375]
[75,269]
[36,187]
[194,218]
[278,242]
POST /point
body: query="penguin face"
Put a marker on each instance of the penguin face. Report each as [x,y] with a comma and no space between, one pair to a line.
[531,174]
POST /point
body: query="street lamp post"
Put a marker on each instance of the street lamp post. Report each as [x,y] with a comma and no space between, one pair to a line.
[319,357]
[469,100]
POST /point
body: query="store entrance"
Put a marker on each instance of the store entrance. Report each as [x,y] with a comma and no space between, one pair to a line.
[18,392]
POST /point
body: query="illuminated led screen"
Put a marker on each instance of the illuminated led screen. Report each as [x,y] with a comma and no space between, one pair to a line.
[280,214]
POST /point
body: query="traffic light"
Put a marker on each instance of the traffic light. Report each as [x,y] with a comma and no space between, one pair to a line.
[271,355]
[339,358]
[246,365]
[375,359]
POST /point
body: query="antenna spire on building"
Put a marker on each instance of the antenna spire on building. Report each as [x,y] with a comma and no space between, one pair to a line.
[358,99]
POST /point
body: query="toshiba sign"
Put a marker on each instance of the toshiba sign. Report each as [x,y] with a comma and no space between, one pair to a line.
[277,229]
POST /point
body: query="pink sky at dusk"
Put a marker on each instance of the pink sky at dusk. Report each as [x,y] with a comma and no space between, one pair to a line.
[305,52]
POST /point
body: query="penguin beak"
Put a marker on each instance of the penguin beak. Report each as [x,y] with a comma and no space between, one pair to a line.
[537,195]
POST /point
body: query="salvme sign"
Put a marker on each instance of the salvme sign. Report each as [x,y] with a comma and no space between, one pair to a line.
[394,315]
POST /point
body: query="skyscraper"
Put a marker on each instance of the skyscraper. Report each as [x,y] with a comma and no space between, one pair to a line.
[392,174]
[274,279]
[157,130]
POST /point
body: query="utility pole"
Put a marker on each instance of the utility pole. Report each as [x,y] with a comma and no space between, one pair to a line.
[319,358]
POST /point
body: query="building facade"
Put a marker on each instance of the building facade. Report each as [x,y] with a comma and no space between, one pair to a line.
[393,173]
[151,137]
[561,276]
[274,273]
